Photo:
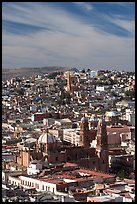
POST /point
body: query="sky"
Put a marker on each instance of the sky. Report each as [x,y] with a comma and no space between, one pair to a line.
[95,35]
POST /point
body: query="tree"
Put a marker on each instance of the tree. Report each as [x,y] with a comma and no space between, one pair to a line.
[130,93]
[123,173]
[20,91]
[83,71]
[53,75]
[88,70]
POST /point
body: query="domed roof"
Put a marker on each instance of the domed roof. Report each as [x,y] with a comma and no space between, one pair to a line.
[111,113]
[51,138]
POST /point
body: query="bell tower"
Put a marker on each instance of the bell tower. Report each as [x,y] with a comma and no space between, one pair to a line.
[102,145]
[68,83]
[84,132]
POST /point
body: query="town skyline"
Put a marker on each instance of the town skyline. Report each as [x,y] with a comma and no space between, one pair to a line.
[73,34]
[69,136]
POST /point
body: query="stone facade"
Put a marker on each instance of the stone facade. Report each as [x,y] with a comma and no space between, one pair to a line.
[83,155]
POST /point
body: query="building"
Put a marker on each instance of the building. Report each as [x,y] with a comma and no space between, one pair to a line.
[68,88]
[93,74]
[63,180]
[101,198]
[53,149]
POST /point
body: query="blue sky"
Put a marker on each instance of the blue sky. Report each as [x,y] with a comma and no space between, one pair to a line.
[96,35]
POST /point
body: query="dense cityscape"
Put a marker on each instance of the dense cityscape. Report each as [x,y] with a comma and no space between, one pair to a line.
[68,102]
[69,136]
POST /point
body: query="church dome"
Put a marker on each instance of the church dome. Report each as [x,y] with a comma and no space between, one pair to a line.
[51,139]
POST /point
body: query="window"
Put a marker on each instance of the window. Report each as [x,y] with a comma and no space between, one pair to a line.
[94,162]
[43,187]
[68,158]
[56,158]
[53,190]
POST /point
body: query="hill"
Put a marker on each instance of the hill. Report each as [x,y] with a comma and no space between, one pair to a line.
[30,71]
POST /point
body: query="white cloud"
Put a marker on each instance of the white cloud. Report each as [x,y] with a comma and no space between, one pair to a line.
[126,24]
[84,5]
[69,42]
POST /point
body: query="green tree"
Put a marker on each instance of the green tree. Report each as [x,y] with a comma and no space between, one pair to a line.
[130,93]
[53,75]
[20,91]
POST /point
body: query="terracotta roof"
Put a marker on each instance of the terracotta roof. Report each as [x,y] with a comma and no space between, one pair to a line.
[95,173]
[69,164]
[129,181]
[122,129]
[11,147]
[52,180]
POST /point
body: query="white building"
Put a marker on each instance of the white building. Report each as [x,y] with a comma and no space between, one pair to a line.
[43,184]
[130,116]
[72,136]
[34,168]
[64,123]
[93,74]
[100,88]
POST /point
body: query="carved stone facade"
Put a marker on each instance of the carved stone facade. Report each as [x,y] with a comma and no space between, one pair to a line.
[102,145]
[84,132]
[83,155]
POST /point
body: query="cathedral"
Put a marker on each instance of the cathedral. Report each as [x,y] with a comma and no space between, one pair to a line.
[54,150]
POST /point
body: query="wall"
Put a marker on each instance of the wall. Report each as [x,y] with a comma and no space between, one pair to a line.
[114,139]
[57,157]
[38,184]
[6,174]
[15,181]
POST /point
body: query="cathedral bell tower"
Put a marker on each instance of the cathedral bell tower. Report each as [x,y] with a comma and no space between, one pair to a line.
[84,132]
[102,146]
